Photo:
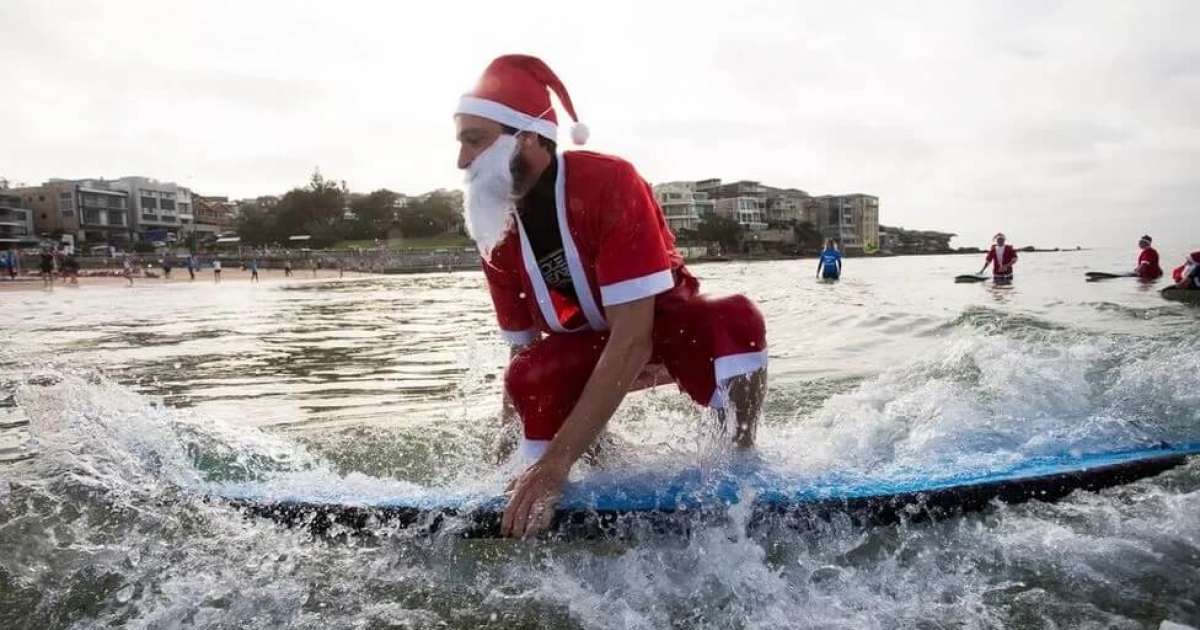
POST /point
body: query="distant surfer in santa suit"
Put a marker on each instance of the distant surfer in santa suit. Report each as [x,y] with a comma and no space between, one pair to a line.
[1002,256]
[587,286]
[1147,262]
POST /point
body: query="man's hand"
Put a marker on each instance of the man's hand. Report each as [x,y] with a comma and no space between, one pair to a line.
[629,345]
[533,497]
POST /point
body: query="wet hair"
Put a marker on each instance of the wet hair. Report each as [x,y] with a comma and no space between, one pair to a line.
[546,143]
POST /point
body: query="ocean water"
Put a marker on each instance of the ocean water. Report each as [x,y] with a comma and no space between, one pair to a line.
[119,407]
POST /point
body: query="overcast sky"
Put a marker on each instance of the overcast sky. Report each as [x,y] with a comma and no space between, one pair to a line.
[1061,123]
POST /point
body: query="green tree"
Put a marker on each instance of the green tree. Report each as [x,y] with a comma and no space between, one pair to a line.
[315,210]
[373,213]
[435,214]
[256,226]
[808,237]
[723,230]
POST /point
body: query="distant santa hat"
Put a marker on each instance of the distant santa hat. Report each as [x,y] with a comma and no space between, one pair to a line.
[1145,239]
[998,236]
[1194,258]
[513,92]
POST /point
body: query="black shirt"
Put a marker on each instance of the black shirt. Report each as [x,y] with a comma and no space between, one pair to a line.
[539,216]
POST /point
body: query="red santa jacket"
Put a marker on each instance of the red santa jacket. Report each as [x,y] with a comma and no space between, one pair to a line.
[1009,256]
[616,241]
[1147,267]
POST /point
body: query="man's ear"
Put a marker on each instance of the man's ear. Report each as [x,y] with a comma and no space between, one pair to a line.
[528,140]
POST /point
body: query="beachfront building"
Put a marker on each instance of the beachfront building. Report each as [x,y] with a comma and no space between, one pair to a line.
[16,222]
[64,207]
[852,220]
[678,203]
[104,217]
[788,205]
[214,215]
[161,211]
[745,210]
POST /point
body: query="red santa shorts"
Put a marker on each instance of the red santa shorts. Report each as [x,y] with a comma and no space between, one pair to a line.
[702,342]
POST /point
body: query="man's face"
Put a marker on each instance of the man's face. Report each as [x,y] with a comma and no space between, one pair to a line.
[474,135]
[1000,241]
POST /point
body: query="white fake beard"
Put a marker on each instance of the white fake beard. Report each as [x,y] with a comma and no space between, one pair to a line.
[490,205]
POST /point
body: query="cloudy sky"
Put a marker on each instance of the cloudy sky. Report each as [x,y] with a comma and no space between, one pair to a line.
[1061,123]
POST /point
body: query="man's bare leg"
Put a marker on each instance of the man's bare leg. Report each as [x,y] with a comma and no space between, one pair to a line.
[746,394]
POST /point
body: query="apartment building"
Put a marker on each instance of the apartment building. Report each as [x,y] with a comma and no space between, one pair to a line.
[16,222]
[745,210]
[214,215]
[678,203]
[851,219]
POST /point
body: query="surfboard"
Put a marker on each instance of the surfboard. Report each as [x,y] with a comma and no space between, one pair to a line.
[971,277]
[1175,294]
[617,507]
[1104,275]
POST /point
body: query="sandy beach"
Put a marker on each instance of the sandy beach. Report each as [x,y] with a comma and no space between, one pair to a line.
[178,276]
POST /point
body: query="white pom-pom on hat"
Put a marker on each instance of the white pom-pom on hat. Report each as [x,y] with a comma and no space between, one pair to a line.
[580,133]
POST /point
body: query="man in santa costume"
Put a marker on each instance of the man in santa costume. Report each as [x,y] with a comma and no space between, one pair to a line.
[1187,275]
[1002,256]
[587,285]
[1147,262]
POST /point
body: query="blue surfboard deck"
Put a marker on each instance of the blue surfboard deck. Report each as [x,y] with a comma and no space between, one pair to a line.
[618,506]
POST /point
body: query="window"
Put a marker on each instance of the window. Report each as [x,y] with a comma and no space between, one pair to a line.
[44,217]
[183,207]
[149,203]
[168,218]
[149,217]
[168,204]
[66,194]
[41,197]
[92,217]
[64,204]
[67,214]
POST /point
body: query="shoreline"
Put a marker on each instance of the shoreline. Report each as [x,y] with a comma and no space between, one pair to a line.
[203,278]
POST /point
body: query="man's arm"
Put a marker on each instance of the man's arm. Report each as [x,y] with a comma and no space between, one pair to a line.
[629,347]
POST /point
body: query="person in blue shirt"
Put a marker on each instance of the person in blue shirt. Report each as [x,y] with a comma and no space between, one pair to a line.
[254,269]
[829,264]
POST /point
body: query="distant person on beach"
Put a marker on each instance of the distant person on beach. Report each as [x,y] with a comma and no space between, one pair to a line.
[253,265]
[587,287]
[1187,275]
[315,266]
[46,267]
[71,268]
[1002,257]
[287,269]
[829,264]
[191,266]
[127,269]
[60,264]
[11,261]
[1147,263]
[216,270]
[166,267]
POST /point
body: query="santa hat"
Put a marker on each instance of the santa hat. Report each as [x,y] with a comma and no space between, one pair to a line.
[998,236]
[513,92]
[1194,258]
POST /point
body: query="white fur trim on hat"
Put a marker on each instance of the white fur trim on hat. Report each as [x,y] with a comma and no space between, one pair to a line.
[580,133]
[505,115]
